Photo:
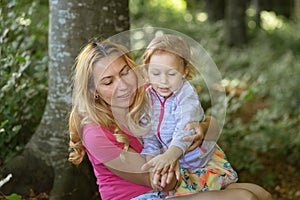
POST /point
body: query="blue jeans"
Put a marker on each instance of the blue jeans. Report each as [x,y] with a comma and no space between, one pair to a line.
[151,196]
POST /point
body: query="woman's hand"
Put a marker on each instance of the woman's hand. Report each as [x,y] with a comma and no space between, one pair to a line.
[209,129]
[167,181]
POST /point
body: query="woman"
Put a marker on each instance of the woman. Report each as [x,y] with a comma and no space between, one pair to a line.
[109,111]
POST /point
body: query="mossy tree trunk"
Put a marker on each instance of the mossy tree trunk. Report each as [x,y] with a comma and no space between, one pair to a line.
[236,29]
[43,165]
[215,9]
[297,11]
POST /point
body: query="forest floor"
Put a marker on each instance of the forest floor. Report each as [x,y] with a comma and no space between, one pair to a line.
[281,179]
[282,182]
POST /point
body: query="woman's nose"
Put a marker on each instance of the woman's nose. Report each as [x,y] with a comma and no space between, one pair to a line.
[122,85]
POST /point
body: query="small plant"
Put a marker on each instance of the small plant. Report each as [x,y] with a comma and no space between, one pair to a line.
[23,74]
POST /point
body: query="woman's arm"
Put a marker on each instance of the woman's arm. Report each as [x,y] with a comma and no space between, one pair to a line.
[128,166]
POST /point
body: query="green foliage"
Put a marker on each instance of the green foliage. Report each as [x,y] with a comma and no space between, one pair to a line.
[23,73]
[13,197]
[266,70]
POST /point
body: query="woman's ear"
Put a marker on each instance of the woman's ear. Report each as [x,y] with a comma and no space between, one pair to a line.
[95,93]
[186,72]
[145,73]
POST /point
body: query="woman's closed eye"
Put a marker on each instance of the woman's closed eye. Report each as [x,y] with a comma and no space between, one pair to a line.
[107,82]
[125,72]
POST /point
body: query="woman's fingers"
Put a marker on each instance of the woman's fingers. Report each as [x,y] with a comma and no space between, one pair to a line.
[163,180]
[190,138]
[177,170]
[170,176]
[156,182]
[194,145]
[198,136]
[191,125]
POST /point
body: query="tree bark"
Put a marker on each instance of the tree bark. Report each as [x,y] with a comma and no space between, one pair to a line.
[43,165]
[235,23]
[215,9]
[297,11]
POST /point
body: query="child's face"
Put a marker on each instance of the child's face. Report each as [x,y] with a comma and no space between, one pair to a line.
[165,72]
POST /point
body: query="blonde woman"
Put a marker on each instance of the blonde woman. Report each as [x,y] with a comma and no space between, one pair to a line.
[108,107]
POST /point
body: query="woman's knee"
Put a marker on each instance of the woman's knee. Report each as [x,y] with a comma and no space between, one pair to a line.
[257,190]
[243,194]
[267,196]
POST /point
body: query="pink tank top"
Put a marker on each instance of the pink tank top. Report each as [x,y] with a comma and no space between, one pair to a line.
[101,146]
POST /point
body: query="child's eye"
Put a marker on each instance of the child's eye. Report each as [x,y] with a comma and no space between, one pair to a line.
[172,73]
[155,73]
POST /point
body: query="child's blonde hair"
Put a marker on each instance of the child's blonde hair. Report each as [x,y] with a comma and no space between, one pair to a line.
[88,108]
[172,44]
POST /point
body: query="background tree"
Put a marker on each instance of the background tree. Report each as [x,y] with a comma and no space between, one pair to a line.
[297,11]
[43,163]
[215,9]
[236,22]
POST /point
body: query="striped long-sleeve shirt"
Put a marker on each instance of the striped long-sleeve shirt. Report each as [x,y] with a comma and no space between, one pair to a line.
[169,116]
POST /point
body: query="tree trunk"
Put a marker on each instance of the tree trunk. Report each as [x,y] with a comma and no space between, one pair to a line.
[297,11]
[257,4]
[43,165]
[215,9]
[236,23]
[194,6]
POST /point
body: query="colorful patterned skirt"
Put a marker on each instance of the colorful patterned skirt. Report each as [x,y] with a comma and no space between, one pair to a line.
[217,174]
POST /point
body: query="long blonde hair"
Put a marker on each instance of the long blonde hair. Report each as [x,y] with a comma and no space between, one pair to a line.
[89,109]
[172,44]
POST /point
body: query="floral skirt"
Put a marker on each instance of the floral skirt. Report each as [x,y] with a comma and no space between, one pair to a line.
[217,174]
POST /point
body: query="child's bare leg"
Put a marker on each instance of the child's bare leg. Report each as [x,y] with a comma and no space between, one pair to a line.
[227,194]
[260,192]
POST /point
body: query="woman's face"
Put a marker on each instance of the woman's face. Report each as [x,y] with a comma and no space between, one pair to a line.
[115,81]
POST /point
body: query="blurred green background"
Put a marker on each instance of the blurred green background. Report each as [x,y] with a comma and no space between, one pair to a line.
[261,136]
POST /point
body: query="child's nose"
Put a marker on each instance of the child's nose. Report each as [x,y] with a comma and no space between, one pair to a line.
[163,78]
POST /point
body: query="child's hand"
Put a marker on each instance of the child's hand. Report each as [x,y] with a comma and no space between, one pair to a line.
[162,164]
[165,162]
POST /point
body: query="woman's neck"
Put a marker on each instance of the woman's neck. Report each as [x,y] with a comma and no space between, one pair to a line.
[120,115]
